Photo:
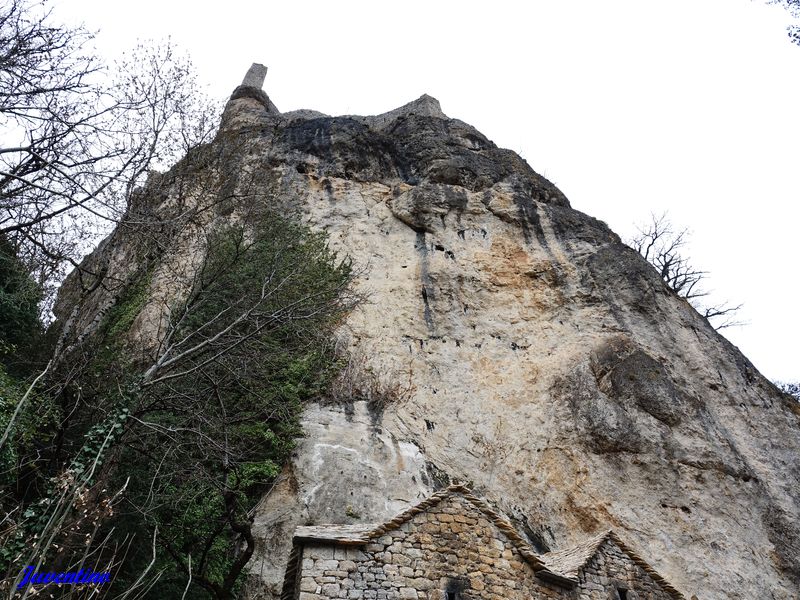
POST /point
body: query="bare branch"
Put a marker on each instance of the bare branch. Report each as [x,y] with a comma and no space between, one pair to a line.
[661,246]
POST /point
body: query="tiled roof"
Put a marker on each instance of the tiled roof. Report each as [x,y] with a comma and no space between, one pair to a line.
[569,561]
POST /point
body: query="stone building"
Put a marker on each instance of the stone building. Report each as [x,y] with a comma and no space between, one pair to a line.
[453,546]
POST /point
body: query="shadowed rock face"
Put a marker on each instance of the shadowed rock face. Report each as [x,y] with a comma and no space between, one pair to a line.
[520,347]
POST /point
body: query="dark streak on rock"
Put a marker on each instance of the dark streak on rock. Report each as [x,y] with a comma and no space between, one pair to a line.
[427,287]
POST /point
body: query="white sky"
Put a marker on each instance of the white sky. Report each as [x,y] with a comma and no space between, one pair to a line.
[630,107]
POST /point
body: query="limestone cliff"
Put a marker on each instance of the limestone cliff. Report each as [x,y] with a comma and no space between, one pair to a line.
[507,341]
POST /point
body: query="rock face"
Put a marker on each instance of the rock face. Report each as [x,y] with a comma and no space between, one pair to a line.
[508,342]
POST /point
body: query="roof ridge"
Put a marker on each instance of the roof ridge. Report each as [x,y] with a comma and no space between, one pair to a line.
[508,529]
[418,508]
[590,548]
[498,521]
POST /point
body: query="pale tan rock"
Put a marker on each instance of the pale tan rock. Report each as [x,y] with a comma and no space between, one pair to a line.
[531,355]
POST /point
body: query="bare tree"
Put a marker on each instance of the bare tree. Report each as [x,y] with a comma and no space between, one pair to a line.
[791,388]
[77,140]
[793,8]
[76,145]
[662,245]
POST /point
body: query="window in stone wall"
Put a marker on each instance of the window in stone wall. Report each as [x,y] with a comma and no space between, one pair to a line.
[454,587]
[622,593]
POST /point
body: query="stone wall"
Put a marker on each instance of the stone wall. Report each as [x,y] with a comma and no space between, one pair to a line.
[452,547]
[611,569]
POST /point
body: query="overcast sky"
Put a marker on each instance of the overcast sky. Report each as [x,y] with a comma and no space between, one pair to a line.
[688,106]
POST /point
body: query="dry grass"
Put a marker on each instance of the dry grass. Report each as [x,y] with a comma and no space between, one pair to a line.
[358,381]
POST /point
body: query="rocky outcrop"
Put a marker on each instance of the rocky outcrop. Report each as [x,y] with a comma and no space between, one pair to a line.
[508,342]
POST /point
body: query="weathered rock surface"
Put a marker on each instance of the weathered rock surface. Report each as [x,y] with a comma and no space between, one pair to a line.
[518,347]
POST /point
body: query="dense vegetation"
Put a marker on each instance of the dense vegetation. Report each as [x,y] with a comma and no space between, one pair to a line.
[117,456]
[154,463]
[20,332]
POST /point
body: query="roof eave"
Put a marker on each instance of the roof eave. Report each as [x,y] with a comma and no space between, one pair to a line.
[303,540]
[560,580]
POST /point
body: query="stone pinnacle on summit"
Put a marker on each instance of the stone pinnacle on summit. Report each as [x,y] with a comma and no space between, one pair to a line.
[255,76]
[248,100]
